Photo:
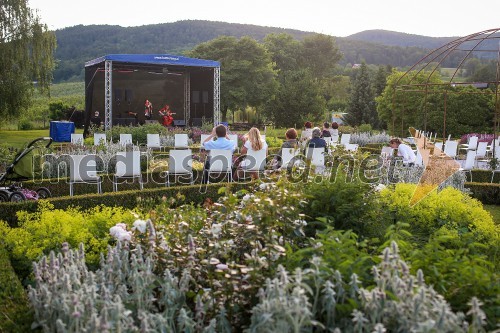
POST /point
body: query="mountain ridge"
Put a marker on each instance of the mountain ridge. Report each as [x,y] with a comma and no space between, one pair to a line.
[81,43]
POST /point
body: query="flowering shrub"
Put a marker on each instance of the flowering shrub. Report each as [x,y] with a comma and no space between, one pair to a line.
[365,138]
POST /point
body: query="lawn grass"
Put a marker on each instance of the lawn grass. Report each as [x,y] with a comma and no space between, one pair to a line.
[494,211]
[19,139]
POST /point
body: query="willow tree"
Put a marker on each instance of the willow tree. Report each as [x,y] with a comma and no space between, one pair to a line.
[26,56]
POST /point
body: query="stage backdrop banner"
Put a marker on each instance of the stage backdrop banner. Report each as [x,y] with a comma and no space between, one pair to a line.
[60,131]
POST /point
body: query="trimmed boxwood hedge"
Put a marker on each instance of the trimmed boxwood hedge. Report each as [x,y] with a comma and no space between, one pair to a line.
[487,193]
[15,312]
[196,194]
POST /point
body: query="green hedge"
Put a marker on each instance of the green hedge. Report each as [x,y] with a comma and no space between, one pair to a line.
[196,194]
[15,312]
[487,193]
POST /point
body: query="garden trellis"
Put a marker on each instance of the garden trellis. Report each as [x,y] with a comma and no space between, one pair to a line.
[418,79]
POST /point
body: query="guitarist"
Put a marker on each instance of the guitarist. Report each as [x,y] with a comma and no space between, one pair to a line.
[166,115]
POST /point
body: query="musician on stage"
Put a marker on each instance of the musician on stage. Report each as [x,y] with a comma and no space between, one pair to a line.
[166,115]
[148,109]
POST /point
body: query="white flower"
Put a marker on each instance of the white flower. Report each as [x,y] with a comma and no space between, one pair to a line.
[264,186]
[120,232]
[214,261]
[379,187]
[124,236]
[216,229]
[222,266]
[140,225]
[246,197]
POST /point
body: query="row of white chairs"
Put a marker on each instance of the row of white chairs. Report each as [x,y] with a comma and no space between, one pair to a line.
[83,168]
[181,140]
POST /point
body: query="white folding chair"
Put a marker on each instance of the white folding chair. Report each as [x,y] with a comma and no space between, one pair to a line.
[99,139]
[345,138]
[128,165]
[181,140]
[203,138]
[263,137]
[288,156]
[153,141]
[387,151]
[438,145]
[125,139]
[497,169]
[317,158]
[77,139]
[180,163]
[328,140]
[351,147]
[481,149]
[471,144]
[450,148]
[221,161]
[494,145]
[234,138]
[255,161]
[419,161]
[83,169]
[306,134]
[469,162]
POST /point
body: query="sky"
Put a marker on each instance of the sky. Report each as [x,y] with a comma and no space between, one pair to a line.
[340,18]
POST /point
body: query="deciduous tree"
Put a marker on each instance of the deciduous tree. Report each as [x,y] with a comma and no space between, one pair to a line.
[247,76]
[26,55]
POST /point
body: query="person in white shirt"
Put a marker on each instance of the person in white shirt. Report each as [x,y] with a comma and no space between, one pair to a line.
[252,142]
[404,151]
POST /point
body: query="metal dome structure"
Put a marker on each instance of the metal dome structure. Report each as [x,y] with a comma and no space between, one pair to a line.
[483,46]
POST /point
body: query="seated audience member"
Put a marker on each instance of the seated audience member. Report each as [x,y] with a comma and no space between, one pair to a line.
[290,142]
[326,130]
[316,141]
[222,142]
[334,130]
[306,132]
[252,142]
[404,151]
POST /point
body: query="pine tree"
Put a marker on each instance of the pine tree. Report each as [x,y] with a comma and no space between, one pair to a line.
[361,108]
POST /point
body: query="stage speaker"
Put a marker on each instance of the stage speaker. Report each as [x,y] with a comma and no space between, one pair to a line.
[195,98]
[196,122]
[118,95]
[128,95]
[205,97]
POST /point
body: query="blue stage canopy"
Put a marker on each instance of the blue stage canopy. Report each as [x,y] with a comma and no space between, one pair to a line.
[156,59]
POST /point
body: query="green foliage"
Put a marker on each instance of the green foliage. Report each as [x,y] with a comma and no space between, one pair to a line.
[450,262]
[273,142]
[340,203]
[46,229]
[247,77]
[25,125]
[449,209]
[27,55]
[297,100]
[56,110]
[361,108]
[365,128]
[15,313]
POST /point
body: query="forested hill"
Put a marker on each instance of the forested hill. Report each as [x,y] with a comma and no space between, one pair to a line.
[78,44]
[400,39]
